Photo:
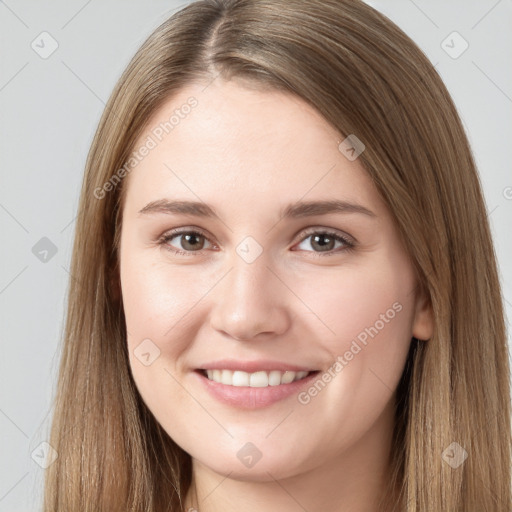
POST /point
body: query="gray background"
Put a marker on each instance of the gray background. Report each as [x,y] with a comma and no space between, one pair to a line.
[49,112]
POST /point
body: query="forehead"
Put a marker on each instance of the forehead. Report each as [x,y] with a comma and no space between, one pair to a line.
[228,142]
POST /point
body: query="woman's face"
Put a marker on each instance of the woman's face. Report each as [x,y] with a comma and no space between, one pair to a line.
[299,269]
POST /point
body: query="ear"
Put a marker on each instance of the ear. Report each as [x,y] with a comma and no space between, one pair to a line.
[423,324]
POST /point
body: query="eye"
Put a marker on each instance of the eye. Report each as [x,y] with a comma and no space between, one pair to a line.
[323,242]
[187,241]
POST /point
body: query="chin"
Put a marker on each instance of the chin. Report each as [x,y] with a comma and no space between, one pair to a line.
[262,471]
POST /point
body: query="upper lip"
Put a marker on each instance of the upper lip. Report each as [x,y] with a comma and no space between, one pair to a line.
[253,366]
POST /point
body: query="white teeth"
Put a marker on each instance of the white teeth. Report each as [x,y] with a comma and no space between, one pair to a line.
[239,378]
[259,379]
[288,377]
[274,378]
[227,377]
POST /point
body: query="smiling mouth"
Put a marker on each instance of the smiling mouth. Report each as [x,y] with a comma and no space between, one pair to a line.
[260,379]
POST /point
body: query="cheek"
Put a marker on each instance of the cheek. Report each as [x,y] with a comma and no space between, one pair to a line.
[349,302]
[157,299]
[164,308]
[370,311]
[366,318]
[157,305]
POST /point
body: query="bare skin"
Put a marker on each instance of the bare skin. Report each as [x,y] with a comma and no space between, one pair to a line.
[303,300]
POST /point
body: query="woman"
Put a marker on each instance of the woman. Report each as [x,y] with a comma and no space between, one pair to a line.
[213,358]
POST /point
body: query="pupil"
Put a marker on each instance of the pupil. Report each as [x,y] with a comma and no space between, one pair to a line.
[187,242]
[327,245]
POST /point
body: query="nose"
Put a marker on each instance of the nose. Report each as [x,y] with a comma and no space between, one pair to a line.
[251,302]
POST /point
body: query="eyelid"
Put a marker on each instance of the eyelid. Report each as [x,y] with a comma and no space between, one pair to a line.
[349,241]
[176,232]
[324,230]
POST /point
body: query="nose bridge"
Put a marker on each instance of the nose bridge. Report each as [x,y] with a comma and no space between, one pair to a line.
[250,279]
[250,301]
[250,275]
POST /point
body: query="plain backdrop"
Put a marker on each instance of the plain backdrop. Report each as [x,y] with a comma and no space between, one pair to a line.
[50,106]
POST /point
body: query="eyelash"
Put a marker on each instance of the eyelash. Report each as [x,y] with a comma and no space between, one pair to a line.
[166,237]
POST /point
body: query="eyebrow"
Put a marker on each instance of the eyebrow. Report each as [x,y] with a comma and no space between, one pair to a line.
[294,210]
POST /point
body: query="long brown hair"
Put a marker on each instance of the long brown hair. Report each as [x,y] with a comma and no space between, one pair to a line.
[367,78]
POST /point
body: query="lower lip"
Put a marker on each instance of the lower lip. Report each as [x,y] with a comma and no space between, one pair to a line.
[253,398]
